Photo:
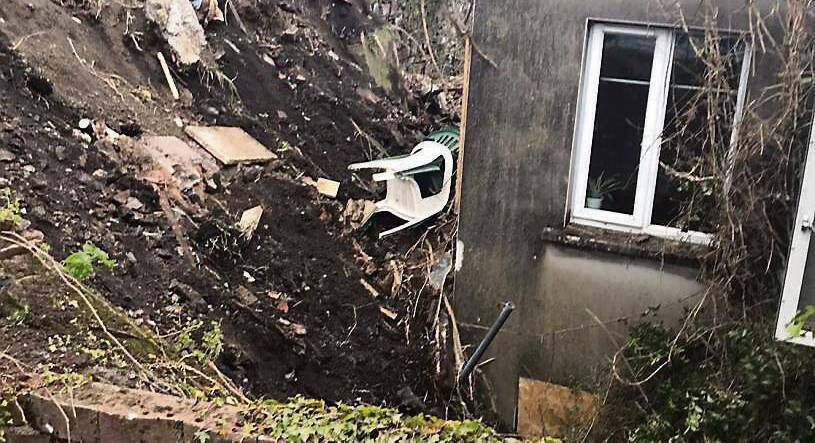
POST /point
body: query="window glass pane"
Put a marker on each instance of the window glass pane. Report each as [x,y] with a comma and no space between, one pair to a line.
[696,137]
[627,56]
[684,194]
[724,54]
[619,121]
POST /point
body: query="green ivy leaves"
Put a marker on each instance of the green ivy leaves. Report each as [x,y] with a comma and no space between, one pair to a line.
[796,326]
[10,209]
[80,264]
[304,420]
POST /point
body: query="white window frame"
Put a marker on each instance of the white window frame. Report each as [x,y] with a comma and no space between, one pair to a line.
[799,250]
[640,220]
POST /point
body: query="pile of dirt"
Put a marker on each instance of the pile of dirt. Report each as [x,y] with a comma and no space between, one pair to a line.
[295,301]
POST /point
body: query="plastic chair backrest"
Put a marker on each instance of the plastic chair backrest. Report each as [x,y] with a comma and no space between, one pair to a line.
[448,137]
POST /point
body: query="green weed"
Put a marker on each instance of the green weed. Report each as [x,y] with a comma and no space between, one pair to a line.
[10,210]
[183,338]
[796,326]
[20,316]
[302,420]
[213,341]
[211,344]
[80,264]
[741,385]
[5,418]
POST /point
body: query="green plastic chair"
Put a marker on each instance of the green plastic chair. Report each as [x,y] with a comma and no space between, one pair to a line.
[448,137]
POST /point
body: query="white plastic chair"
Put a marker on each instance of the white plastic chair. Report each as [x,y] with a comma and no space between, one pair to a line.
[403,198]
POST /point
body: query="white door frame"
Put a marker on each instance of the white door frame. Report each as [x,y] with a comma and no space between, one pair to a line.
[799,249]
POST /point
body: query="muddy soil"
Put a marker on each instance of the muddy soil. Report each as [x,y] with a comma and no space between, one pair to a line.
[296,316]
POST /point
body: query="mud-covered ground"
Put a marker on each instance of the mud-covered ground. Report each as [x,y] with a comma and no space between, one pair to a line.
[296,315]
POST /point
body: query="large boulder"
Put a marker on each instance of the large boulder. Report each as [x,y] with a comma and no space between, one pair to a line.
[178,23]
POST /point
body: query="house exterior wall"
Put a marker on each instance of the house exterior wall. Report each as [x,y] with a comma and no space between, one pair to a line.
[576,288]
[516,164]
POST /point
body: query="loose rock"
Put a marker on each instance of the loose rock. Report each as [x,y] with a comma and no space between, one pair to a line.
[6,155]
[179,25]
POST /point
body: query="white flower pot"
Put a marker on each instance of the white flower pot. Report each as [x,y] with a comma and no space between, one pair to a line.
[594,202]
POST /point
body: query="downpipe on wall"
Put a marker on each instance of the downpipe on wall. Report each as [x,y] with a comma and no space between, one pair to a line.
[485,342]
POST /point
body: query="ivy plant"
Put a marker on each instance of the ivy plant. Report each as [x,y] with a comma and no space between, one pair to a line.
[80,265]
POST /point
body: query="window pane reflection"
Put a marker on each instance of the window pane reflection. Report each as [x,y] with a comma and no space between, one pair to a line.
[622,101]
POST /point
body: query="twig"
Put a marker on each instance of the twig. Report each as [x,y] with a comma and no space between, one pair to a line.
[621,348]
[20,365]
[62,412]
[427,39]
[687,176]
[175,226]
[371,141]
[76,287]
[185,367]
[597,411]
[24,38]
[231,7]
[352,328]
[167,75]
[458,352]
[227,382]
[468,35]
[107,81]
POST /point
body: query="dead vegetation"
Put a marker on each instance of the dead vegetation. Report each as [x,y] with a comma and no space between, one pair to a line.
[743,178]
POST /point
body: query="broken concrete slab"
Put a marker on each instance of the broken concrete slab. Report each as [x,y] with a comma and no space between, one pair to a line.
[179,25]
[121,197]
[101,413]
[230,145]
[133,203]
[245,296]
[324,186]
[185,163]
[46,414]
[25,434]
[327,187]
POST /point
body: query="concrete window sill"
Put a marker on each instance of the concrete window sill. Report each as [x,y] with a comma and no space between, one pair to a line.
[631,245]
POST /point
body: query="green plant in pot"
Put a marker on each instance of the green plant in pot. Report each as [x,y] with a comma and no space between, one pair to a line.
[600,189]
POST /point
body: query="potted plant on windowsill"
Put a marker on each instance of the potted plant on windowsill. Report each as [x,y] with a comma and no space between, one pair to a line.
[600,189]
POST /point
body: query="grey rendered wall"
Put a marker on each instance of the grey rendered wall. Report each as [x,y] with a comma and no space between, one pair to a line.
[562,340]
[515,178]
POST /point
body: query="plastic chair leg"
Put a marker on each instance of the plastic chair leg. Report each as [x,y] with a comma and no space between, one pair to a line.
[401,227]
[368,217]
